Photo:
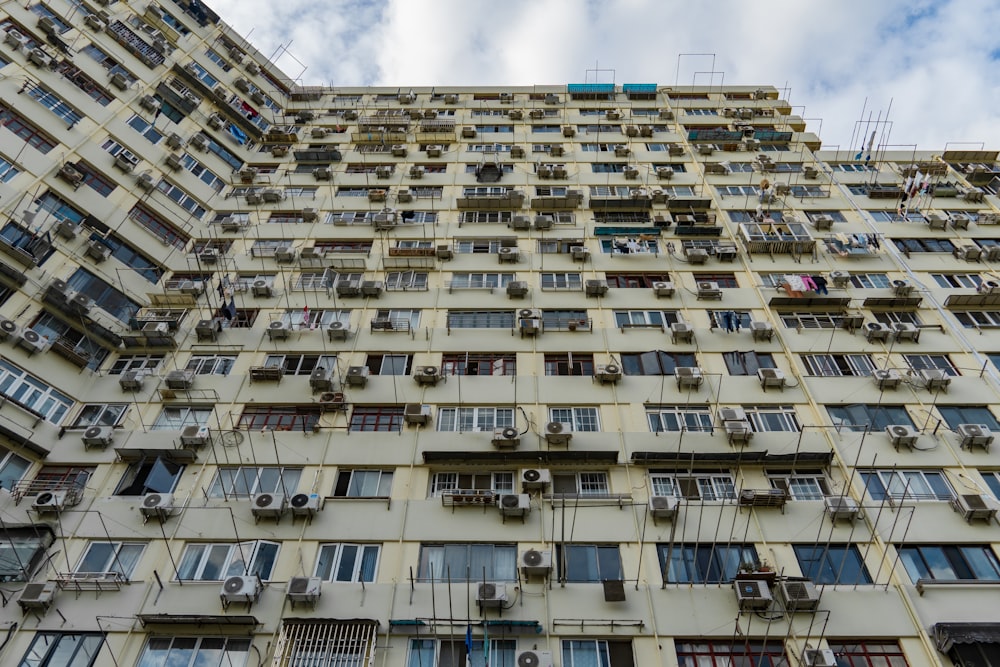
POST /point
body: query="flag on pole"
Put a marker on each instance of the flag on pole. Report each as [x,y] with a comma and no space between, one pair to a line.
[468,645]
[486,644]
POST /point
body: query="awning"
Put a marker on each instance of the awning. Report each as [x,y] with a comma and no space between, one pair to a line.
[946,635]
[730,458]
[590,88]
[972,301]
[523,458]
[639,88]
[515,627]
[796,303]
[893,303]
[200,620]
[134,454]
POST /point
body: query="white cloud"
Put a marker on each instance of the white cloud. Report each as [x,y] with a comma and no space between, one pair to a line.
[929,64]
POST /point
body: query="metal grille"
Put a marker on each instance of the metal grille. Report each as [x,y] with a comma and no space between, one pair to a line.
[326,644]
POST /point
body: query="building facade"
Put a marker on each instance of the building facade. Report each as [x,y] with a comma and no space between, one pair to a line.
[579,375]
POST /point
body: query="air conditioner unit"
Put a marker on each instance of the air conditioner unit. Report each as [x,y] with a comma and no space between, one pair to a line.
[322,173]
[199,141]
[179,379]
[976,506]
[901,287]
[886,378]
[975,434]
[696,255]
[906,331]
[240,589]
[196,436]
[970,253]
[156,504]
[492,594]
[39,57]
[357,376]
[608,373]
[752,594]
[900,434]
[506,438]
[738,431]
[663,507]
[534,659]
[207,329]
[216,122]
[934,378]
[252,68]
[253,198]
[14,39]
[771,377]
[989,287]
[579,253]
[31,340]
[261,287]
[798,595]
[416,413]
[427,375]
[49,501]
[508,254]
[663,288]
[304,589]
[877,331]
[709,290]
[149,103]
[131,380]
[433,150]
[348,288]
[688,376]
[535,478]
[304,504]
[208,255]
[841,507]
[278,329]
[530,326]
[681,331]
[514,504]
[732,414]
[372,287]
[338,331]
[265,505]
[37,596]
[840,278]
[558,433]
[98,436]
[819,657]
[517,288]
[321,379]
[761,330]
[272,195]
[535,561]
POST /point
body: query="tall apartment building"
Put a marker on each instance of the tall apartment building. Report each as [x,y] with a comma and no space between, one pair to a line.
[573,375]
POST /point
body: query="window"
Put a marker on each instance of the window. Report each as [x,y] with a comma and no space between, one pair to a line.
[656,362]
[772,418]
[300,364]
[12,468]
[497,482]
[157,475]
[978,319]
[747,363]
[63,649]
[53,103]
[899,485]
[280,417]
[470,363]
[580,419]
[347,562]
[300,318]
[26,131]
[194,651]
[363,484]
[321,643]
[863,653]
[105,296]
[211,364]
[106,557]
[742,652]
[809,485]
[646,318]
[992,480]
[830,365]
[468,562]
[597,653]
[405,280]
[580,484]
[704,485]
[27,391]
[832,564]
[892,317]
[480,319]
[859,417]
[975,562]
[248,481]
[176,417]
[561,281]
[389,364]
[219,561]
[480,280]
[704,563]
[589,562]
[954,415]
[967,280]
[444,653]
[677,418]
[8,170]
[22,550]
[465,420]
[158,227]
[382,418]
[816,320]
[402,319]
[569,363]
[725,280]
[635,280]
[907,246]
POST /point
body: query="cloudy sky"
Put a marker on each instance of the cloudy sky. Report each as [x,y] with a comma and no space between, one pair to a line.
[932,67]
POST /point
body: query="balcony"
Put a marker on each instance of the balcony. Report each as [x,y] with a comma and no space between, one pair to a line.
[776,238]
[512,199]
[850,245]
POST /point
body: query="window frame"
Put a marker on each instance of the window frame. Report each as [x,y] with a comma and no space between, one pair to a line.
[236,552]
[593,558]
[336,559]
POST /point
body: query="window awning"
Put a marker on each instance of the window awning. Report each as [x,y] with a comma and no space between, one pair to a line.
[523,458]
[200,620]
[627,231]
[135,454]
[515,627]
[894,303]
[639,88]
[946,635]
[590,88]
[971,301]
[800,302]
[731,458]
